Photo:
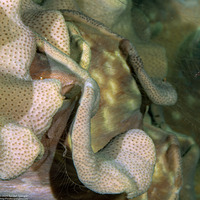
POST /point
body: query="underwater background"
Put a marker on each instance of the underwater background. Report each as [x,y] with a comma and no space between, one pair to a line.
[176,28]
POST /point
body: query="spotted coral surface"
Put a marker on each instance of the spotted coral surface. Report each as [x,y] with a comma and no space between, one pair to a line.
[26,106]
[122,165]
[19,148]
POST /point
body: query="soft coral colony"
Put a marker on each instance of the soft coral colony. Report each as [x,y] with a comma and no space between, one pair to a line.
[27,106]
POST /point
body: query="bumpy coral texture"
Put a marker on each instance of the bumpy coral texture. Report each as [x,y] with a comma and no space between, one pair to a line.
[29,103]
[122,166]
[129,181]
[27,106]
[51,25]
[17,42]
[159,92]
[17,154]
